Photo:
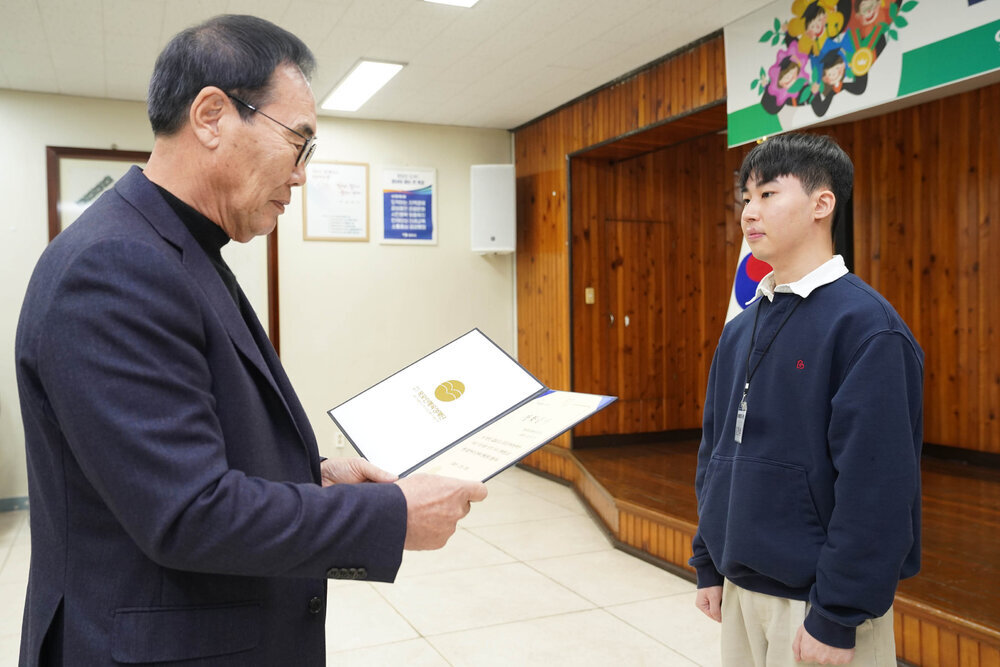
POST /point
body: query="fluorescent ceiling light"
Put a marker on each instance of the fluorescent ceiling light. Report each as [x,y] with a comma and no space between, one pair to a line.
[367,77]
[456,3]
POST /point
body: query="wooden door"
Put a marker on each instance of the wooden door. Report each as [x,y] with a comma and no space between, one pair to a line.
[637,269]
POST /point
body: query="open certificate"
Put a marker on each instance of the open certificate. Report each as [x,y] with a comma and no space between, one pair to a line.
[467,410]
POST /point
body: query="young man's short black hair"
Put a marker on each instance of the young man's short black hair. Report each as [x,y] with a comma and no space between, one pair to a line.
[816,160]
[236,53]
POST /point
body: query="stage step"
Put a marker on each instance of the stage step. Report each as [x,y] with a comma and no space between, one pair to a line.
[948,615]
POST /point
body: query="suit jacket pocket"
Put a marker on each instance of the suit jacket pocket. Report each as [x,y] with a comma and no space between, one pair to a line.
[163,634]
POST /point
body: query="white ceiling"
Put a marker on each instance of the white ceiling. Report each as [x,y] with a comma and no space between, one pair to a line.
[499,64]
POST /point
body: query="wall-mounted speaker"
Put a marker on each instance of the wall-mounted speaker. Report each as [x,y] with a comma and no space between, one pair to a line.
[493,214]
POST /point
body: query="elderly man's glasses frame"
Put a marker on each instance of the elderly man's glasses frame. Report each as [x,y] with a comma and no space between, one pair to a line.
[308,148]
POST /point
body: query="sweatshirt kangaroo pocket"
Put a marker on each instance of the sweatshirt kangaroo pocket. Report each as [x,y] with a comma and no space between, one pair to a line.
[759,517]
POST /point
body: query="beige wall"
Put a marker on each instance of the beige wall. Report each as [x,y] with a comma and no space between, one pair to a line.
[350,312]
[29,122]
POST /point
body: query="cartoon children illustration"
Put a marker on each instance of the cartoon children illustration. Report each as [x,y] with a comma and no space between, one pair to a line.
[829,47]
[868,15]
[786,79]
[834,70]
[815,21]
[867,32]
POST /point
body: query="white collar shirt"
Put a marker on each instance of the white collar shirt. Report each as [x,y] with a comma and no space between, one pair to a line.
[824,274]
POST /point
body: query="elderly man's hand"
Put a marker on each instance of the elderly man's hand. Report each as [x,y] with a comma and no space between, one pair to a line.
[434,505]
[352,471]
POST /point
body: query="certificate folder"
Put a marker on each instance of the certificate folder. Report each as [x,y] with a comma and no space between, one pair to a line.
[467,410]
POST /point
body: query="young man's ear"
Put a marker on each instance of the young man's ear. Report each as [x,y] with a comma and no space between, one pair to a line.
[824,203]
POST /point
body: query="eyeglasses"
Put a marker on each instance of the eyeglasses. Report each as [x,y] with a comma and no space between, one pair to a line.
[308,148]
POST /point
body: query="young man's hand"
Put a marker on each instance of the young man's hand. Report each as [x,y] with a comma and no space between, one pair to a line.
[807,648]
[709,601]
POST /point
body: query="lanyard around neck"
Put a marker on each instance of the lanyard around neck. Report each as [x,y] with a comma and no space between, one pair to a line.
[741,412]
[753,335]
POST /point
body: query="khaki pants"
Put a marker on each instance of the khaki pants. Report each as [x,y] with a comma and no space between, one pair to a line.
[758,630]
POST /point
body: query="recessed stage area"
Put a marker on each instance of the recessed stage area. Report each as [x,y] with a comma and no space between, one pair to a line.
[949,614]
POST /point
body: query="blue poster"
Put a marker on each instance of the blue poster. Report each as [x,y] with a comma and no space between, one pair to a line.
[408,206]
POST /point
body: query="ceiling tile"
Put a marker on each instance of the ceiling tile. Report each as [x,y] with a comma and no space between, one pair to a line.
[469,70]
[128,81]
[486,19]
[29,72]
[312,22]
[378,14]
[444,52]
[179,15]
[404,38]
[271,10]
[77,22]
[587,56]
[132,47]
[21,28]
[501,62]
[143,20]
[79,71]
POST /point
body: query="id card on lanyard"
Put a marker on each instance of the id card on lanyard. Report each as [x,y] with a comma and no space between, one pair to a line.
[741,411]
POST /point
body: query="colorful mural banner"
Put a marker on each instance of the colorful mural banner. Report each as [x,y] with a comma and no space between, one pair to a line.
[795,63]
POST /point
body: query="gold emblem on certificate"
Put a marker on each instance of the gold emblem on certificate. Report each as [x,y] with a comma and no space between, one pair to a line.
[449,391]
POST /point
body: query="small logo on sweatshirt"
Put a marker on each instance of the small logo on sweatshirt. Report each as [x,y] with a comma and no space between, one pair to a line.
[801,365]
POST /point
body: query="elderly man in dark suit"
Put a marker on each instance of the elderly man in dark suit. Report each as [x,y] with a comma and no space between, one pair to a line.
[180,511]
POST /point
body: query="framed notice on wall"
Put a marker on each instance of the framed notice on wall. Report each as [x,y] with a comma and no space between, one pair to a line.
[78,176]
[409,202]
[336,202]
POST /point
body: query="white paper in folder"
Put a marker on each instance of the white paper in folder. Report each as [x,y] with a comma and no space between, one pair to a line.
[466,410]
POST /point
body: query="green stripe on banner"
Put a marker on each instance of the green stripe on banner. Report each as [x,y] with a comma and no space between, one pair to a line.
[751,123]
[966,54]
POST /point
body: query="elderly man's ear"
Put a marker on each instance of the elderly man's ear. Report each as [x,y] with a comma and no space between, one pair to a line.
[206,115]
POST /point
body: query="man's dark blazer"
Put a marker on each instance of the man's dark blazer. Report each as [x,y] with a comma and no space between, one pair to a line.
[176,508]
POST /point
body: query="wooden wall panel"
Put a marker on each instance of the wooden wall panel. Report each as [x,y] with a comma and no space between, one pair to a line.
[591,323]
[926,203]
[928,638]
[541,149]
[668,266]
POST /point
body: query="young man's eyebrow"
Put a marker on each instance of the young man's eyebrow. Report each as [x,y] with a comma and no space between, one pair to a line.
[757,184]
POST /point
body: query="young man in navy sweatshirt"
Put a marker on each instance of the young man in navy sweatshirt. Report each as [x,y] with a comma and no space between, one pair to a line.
[808,478]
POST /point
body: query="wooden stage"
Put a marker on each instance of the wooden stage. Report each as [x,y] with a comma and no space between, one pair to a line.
[947,615]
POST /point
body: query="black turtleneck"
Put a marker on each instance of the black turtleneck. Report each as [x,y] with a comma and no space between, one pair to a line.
[210,236]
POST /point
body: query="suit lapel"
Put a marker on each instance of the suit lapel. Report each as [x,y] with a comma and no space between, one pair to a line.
[144,196]
[282,383]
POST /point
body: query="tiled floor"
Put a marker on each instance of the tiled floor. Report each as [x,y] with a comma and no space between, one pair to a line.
[528,579]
